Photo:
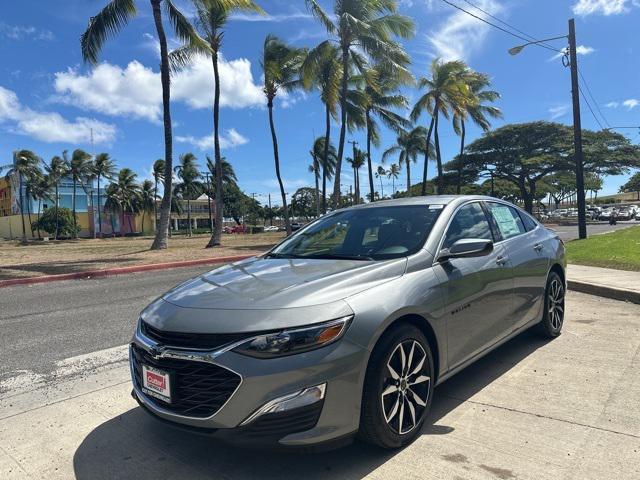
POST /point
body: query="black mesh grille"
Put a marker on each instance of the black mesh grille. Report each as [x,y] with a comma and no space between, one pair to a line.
[284,423]
[202,341]
[198,389]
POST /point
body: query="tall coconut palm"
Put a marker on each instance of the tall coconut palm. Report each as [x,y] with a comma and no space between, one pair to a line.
[107,23]
[473,106]
[125,193]
[80,166]
[41,190]
[112,205]
[146,200]
[211,18]
[379,86]
[326,155]
[408,146]
[444,88]
[393,173]
[228,173]
[316,170]
[103,167]
[158,177]
[322,69]
[25,166]
[57,169]
[190,186]
[381,172]
[357,162]
[362,26]
[281,66]
[32,185]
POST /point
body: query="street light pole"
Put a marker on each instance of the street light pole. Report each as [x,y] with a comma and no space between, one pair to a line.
[577,132]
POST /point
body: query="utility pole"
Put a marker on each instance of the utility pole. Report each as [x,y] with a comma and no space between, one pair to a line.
[355,173]
[209,203]
[577,132]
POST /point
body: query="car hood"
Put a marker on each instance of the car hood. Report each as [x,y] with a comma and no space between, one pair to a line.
[267,293]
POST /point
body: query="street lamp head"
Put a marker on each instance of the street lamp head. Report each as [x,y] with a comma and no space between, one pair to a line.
[516,50]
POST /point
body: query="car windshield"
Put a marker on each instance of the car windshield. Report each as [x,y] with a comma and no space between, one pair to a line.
[372,233]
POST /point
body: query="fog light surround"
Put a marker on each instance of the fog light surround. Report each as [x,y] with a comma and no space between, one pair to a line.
[301,398]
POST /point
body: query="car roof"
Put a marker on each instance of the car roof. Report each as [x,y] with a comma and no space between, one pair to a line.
[424,200]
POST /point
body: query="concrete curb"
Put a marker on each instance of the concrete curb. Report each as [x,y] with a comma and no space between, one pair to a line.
[107,272]
[604,291]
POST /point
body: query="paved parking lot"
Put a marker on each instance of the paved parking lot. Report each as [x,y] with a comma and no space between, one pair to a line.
[566,409]
[570,232]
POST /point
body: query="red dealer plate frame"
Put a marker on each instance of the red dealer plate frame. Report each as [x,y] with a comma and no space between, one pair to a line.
[156,383]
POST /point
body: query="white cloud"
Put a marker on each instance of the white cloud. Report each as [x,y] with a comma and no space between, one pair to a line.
[50,126]
[604,7]
[135,91]
[559,111]
[631,103]
[580,50]
[612,105]
[252,17]
[20,32]
[461,34]
[230,139]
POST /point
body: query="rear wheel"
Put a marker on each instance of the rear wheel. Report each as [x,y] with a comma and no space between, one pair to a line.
[398,388]
[552,320]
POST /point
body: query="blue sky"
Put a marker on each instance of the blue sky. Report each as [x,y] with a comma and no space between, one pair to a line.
[50,101]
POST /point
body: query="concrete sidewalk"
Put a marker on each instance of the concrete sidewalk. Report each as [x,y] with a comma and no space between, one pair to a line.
[565,409]
[605,282]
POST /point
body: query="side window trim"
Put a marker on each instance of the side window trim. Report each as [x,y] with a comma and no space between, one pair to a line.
[495,231]
[455,212]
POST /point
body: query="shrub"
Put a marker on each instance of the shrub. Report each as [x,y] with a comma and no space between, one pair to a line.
[47,222]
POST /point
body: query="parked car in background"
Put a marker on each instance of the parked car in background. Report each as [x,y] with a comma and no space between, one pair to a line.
[271,228]
[605,214]
[625,213]
[295,226]
[346,327]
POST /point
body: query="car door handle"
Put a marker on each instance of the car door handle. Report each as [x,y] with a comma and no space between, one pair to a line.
[537,247]
[501,260]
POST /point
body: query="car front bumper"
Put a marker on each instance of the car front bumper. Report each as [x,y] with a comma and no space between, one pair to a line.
[339,366]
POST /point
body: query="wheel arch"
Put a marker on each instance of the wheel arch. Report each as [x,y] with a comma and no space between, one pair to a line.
[557,268]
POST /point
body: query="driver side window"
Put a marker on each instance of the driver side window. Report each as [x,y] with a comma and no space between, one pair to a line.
[469,221]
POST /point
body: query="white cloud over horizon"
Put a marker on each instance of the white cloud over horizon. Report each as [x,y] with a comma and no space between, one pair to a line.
[50,127]
[630,103]
[603,7]
[580,50]
[559,111]
[229,139]
[21,32]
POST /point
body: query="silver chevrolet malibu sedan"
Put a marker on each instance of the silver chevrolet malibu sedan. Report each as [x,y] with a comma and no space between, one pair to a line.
[345,328]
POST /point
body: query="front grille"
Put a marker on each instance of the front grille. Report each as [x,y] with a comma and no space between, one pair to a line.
[199,389]
[280,424]
[198,341]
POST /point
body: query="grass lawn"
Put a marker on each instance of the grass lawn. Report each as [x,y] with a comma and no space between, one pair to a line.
[47,258]
[619,249]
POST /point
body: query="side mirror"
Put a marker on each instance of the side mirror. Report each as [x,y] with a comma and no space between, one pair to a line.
[467,247]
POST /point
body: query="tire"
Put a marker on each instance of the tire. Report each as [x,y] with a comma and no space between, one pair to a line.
[550,325]
[396,401]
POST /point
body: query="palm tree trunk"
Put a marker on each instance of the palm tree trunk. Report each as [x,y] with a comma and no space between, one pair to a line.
[38,217]
[29,213]
[189,230]
[142,226]
[327,140]
[426,158]
[20,198]
[75,222]
[276,158]
[439,182]
[343,126]
[460,157]
[369,157]
[316,176]
[408,162]
[381,188]
[155,197]
[99,210]
[57,211]
[160,240]
[216,238]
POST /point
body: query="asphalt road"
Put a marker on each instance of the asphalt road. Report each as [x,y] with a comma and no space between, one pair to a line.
[571,232]
[42,324]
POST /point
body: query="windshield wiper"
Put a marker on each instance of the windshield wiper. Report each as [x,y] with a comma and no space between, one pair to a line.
[281,255]
[337,256]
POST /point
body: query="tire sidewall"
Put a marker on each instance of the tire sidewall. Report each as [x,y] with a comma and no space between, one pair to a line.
[546,320]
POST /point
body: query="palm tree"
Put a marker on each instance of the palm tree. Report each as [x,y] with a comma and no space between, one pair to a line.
[146,200]
[327,157]
[211,18]
[381,172]
[190,187]
[112,204]
[31,187]
[473,106]
[57,170]
[323,69]
[228,174]
[445,88]
[107,23]
[362,26]
[103,167]
[125,194]
[315,168]
[281,66]
[393,173]
[379,86]
[80,166]
[25,165]
[408,146]
[41,190]
[158,177]
[357,162]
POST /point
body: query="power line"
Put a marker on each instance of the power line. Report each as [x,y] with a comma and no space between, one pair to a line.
[584,82]
[520,37]
[584,97]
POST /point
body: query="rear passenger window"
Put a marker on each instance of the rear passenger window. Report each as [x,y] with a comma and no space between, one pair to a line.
[529,223]
[509,222]
[469,222]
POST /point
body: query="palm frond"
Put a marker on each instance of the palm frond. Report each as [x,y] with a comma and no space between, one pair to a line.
[108,22]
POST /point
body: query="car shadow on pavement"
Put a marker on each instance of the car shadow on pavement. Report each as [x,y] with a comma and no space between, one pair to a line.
[134,445]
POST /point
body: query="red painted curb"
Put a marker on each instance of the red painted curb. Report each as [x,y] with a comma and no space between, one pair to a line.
[119,271]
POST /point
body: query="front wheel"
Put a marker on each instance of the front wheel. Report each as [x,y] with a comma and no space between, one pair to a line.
[552,320]
[398,388]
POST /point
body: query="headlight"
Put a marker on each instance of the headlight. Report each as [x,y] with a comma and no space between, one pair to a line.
[298,340]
